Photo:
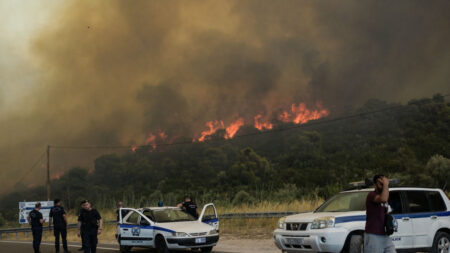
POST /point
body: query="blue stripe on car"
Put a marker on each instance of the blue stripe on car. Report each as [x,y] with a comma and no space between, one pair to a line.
[397,216]
[147,227]
[209,221]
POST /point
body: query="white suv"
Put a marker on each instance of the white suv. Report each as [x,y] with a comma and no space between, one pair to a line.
[423,217]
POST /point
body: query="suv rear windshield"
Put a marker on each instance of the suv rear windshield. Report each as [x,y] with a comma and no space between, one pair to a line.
[345,202]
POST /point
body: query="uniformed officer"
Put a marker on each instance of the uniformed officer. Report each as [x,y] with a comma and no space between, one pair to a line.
[36,220]
[189,207]
[90,224]
[58,216]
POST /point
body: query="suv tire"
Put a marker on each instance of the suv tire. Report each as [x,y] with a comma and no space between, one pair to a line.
[441,243]
[356,244]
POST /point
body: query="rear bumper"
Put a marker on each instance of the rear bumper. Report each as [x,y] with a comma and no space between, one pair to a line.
[183,243]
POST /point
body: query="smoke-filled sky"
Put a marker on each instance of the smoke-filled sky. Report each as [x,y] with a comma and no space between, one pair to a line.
[109,72]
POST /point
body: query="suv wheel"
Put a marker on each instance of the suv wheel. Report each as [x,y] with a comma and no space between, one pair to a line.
[356,244]
[441,243]
[161,246]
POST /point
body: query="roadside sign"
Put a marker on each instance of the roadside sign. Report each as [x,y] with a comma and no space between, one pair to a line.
[26,207]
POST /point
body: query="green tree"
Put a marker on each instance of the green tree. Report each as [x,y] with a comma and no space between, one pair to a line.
[438,167]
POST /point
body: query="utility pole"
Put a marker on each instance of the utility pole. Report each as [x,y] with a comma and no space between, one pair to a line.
[48,172]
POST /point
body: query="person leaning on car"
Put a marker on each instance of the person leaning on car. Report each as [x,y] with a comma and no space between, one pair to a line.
[189,206]
[375,238]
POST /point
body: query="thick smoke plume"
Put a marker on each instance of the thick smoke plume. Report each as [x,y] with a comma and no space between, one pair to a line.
[113,71]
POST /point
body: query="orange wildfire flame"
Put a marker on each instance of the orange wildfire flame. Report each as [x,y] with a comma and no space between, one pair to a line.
[213,126]
[298,114]
[232,129]
[262,125]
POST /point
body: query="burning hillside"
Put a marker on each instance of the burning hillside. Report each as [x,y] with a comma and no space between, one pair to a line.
[297,114]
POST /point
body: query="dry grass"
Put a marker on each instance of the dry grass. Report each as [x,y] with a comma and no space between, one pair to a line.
[258,228]
[254,228]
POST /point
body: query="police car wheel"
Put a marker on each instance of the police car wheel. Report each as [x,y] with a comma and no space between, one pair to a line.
[161,246]
[206,249]
[125,249]
[441,243]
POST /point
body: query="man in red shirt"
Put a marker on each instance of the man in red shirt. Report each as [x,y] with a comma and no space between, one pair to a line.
[375,238]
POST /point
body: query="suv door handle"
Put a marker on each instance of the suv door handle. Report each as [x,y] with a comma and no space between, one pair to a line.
[405,219]
[433,217]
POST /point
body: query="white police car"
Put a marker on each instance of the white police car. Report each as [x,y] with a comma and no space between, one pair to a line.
[168,228]
[423,217]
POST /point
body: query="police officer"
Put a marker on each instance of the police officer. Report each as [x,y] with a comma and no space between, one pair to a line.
[36,220]
[189,207]
[90,224]
[58,216]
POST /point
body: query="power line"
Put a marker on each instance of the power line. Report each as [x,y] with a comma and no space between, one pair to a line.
[28,172]
[309,124]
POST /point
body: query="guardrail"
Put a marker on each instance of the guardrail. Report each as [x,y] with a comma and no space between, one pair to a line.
[27,230]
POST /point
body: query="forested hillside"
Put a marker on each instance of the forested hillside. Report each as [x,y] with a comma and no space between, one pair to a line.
[410,142]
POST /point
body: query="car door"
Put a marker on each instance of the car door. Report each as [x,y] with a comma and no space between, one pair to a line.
[437,217]
[135,229]
[209,216]
[404,237]
[420,214]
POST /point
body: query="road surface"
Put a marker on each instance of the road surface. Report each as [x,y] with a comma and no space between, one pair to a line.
[224,246]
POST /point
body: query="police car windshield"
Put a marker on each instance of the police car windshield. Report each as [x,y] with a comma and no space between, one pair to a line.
[170,215]
[345,202]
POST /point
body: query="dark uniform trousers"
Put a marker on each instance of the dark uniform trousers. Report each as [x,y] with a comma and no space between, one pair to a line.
[89,237]
[60,230]
[37,238]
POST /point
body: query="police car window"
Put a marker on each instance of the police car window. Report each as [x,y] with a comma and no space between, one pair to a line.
[209,214]
[395,202]
[133,218]
[149,214]
[436,201]
[417,202]
[345,202]
[171,215]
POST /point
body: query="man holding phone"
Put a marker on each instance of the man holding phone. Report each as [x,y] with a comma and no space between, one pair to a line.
[375,238]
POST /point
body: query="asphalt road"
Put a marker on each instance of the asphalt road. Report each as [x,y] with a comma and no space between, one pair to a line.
[224,246]
[26,247]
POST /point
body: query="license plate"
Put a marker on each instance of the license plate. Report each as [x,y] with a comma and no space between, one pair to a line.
[200,240]
[294,241]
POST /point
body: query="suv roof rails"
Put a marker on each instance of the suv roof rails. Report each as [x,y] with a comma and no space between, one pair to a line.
[367,183]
